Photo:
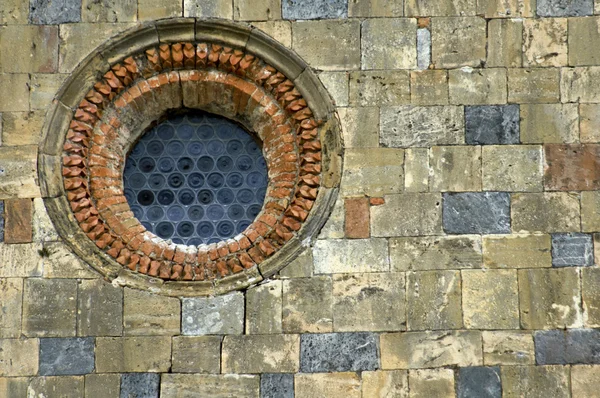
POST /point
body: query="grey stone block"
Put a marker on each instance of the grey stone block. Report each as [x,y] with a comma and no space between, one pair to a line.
[140,385]
[476,213]
[213,315]
[315,9]
[277,385]
[492,124]
[338,352]
[66,356]
[571,346]
[1,221]
[423,48]
[44,12]
[479,382]
[572,249]
[564,8]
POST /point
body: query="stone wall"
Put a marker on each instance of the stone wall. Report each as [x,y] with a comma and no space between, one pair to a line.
[461,259]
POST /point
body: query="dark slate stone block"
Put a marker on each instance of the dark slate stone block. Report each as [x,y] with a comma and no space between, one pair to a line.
[66,356]
[277,385]
[338,352]
[564,8]
[1,221]
[492,124]
[479,382]
[140,385]
[571,346]
[44,12]
[314,9]
[476,213]
[572,249]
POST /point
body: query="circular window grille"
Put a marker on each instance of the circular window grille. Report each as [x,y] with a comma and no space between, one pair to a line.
[190,157]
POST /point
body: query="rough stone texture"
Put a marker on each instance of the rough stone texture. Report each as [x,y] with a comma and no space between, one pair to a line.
[429,87]
[481,382]
[14,123]
[589,123]
[357,218]
[68,356]
[416,169]
[505,42]
[40,54]
[146,314]
[439,290]
[369,302]
[590,294]
[583,34]
[373,171]
[49,307]
[490,299]
[513,168]
[102,385]
[468,86]
[19,170]
[314,9]
[100,309]
[213,315]
[56,386]
[16,84]
[409,126]
[327,385]
[338,352]
[307,305]
[60,262]
[17,217]
[14,12]
[1,216]
[429,253]
[585,381]
[559,347]
[577,84]
[573,249]
[196,354]
[545,42]
[11,291]
[300,267]
[261,354]
[455,168]
[385,383]
[537,85]
[54,12]
[458,41]
[423,48]
[410,214]
[572,167]
[508,348]
[360,127]
[549,298]
[133,354]
[244,10]
[216,9]
[492,124]
[476,213]
[379,88]
[108,10]
[506,9]
[25,350]
[530,212]
[157,9]
[417,8]
[564,8]
[20,260]
[549,123]
[517,251]
[43,228]
[356,255]
[388,43]
[426,383]
[140,385]
[334,227]
[214,386]
[263,308]
[336,84]
[42,88]
[276,385]
[375,8]
[413,350]
[537,381]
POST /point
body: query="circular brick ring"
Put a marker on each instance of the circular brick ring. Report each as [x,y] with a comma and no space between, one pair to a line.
[122,89]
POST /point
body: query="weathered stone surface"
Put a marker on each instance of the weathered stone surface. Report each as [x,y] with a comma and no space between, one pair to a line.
[157,9]
[385,383]
[423,48]
[572,167]
[545,42]
[537,85]
[490,299]
[1,214]
[426,383]
[196,354]
[373,171]
[133,354]
[375,8]
[214,386]
[546,381]
[589,123]
[408,126]
[140,384]
[17,85]
[429,253]
[476,213]
[42,88]
[517,251]
[261,354]
[11,291]
[492,124]
[360,127]
[19,357]
[336,84]
[146,313]
[338,352]
[15,123]
[572,249]
[43,228]
[356,255]
[468,86]
[279,30]
[17,218]
[68,356]
[307,305]
[20,260]
[109,10]
[314,9]
[60,262]
[100,309]
[549,123]
[357,218]
[102,385]
[301,267]
[56,386]
[513,168]
[388,43]
[483,382]
[434,300]
[416,169]
[328,45]
[214,9]
[327,385]
[506,9]
[247,10]
[379,88]
[590,294]
[263,308]
[410,214]
[369,302]
[577,84]
[49,307]
[334,227]
[455,168]
[505,42]
[213,315]
[419,8]
[31,48]
[545,212]
[564,8]
[14,12]
[54,12]
[458,41]
[508,348]
[583,34]
[560,347]
[276,385]
[413,350]
[19,175]
[549,298]
[585,381]
[429,87]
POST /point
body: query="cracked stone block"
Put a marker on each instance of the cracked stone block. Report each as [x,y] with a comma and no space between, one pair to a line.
[338,352]
[274,385]
[480,382]
[571,346]
[426,383]
[564,8]
[314,9]
[508,348]
[578,84]
[69,356]
[213,315]
[476,213]
[43,12]
[545,42]
[140,385]
[492,124]
[572,249]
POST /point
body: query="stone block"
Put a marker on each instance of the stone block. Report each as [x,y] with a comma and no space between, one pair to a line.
[549,123]
[458,41]
[434,289]
[420,8]
[14,12]
[276,385]
[440,252]
[585,381]
[15,123]
[577,84]
[56,386]
[217,386]
[385,383]
[247,10]
[109,11]
[19,357]
[590,294]
[477,213]
[375,8]
[261,354]
[546,381]
[146,314]
[506,9]
[373,171]
[545,42]
[60,262]
[102,385]
[157,9]
[68,356]
[49,307]
[389,43]
[492,124]
[43,228]
[357,218]
[338,352]
[213,315]
[545,212]
[549,298]
[410,214]
[583,34]
[490,299]
[11,291]
[369,302]
[14,386]
[327,45]
[413,350]
[315,9]
[307,305]
[589,123]
[133,354]
[572,249]
[214,9]
[429,87]
[572,167]
[327,385]
[20,260]
[479,381]
[42,89]
[409,126]
[513,168]
[416,169]
[560,347]
[505,42]
[17,218]
[564,8]
[357,255]
[300,267]
[19,179]
[536,85]
[468,86]
[517,251]
[100,309]
[263,308]
[508,348]
[279,30]
[31,48]
[336,84]
[1,212]
[379,88]
[140,384]
[334,227]
[425,383]
[423,46]
[360,127]
[455,168]
[196,354]
[54,12]
[18,85]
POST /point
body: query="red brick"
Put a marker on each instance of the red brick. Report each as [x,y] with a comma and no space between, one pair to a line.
[357,218]
[572,167]
[18,221]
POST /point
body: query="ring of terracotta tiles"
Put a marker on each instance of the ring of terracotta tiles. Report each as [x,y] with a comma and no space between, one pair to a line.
[223,68]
